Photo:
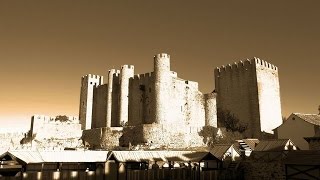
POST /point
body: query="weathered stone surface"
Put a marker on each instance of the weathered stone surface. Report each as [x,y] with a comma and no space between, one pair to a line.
[161,136]
[102,138]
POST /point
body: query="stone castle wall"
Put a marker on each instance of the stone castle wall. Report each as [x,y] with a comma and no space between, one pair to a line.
[45,127]
[158,136]
[141,99]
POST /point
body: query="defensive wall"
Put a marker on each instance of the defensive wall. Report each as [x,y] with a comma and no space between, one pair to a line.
[48,133]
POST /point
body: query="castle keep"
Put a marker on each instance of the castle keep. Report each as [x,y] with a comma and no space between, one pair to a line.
[159,107]
[250,91]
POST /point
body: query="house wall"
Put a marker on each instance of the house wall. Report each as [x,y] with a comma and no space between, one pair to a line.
[296,129]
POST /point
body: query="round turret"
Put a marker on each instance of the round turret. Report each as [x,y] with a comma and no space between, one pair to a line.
[162,84]
[161,63]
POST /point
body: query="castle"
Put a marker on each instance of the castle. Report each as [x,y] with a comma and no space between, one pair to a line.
[159,107]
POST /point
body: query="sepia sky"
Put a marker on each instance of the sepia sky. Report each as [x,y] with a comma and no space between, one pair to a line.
[46,46]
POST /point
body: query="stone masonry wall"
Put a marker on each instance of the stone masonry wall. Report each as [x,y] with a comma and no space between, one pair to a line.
[58,130]
[161,136]
[237,91]
[211,109]
[141,101]
[102,138]
[99,114]
[269,95]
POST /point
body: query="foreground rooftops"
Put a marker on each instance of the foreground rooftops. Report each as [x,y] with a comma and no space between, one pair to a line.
[143,156]
[28,157]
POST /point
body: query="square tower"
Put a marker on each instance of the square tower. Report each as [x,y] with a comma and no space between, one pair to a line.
[88,82]
[250,92]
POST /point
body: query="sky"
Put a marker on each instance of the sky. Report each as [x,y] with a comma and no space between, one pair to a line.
[47,46]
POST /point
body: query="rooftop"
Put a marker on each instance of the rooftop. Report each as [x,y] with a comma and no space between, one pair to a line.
[310,118]
[275,145]
[144,156]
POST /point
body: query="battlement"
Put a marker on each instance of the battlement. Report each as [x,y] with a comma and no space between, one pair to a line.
[127,66]
[51,119]
[261,62]
[142,76]
[42,118]
[248,63]
[114,72]
[92,76]
[162,55]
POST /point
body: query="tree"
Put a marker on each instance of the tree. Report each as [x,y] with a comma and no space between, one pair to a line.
[62,118]
[28,138]
[230,121]
[212,136]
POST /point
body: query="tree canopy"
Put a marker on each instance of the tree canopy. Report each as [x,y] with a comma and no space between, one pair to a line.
[62,118]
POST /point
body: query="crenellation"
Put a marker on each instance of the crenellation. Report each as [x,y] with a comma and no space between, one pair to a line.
[234,65]
[147,75]
[263,63]
[136,77]
[162,55]
[229,68]
[217,70]
[127,66]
